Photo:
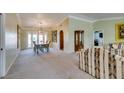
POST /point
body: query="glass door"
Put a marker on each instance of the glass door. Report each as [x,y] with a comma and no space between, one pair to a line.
[32,37]
[35,38]
[41,39]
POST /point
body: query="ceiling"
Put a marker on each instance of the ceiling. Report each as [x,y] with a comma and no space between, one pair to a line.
[45,20]
[97,16]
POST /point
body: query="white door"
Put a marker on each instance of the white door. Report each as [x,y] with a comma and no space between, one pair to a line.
[2,46]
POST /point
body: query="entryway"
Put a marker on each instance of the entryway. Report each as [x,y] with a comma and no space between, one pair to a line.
[61,40]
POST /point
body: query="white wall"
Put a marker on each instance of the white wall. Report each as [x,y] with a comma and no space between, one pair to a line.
[24,37]
[74,25]
[70,25]
[64,27]
[108,27]
[23,40]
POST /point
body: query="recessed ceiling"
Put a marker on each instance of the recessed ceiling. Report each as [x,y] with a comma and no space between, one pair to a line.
[29,20]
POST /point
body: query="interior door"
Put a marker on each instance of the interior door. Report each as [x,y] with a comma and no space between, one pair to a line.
[2,47]
[61,40]
[79,40]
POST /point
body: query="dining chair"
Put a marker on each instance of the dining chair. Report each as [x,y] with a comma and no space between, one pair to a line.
[35,47]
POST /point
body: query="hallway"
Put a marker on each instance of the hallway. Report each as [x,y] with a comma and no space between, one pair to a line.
[52,65]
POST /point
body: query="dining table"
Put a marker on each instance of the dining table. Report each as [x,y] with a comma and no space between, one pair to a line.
[42,47]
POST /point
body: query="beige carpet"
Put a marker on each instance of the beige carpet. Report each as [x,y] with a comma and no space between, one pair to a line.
[52,65]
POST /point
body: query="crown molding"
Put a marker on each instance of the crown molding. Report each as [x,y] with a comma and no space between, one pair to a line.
[107,19]
[81,19]
[92,21]
[73,17]
[65,18]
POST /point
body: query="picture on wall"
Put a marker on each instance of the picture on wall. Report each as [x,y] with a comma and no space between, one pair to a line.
[120,32]
[54,36]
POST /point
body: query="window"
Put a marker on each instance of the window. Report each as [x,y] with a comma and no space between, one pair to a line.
[35,38]
[38,38]
[41,38]
[45,38]
[29,40]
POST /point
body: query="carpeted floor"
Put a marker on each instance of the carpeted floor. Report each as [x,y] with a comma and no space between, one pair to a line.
[52,65]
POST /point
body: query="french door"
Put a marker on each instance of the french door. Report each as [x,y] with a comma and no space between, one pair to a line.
[79,40]
[37,37]
[32,37]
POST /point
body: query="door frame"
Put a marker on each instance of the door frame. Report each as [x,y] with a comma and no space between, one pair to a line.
[18,36]
[81,32]
[60,39]
[2,45]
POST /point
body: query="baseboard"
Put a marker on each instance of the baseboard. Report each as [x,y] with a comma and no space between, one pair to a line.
[12,62]
[2,77]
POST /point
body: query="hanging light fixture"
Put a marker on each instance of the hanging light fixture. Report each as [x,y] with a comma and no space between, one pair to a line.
[40,28]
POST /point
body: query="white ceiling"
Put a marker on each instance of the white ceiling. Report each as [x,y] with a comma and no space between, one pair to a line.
[97,16]
[29,20]
[46,19]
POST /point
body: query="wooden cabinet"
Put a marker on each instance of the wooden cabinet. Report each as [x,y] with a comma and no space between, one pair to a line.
[79,40]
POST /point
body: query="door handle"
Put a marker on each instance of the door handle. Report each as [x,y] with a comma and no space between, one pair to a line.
[1,49]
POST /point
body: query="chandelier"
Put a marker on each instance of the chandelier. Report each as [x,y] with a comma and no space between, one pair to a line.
[40,28]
